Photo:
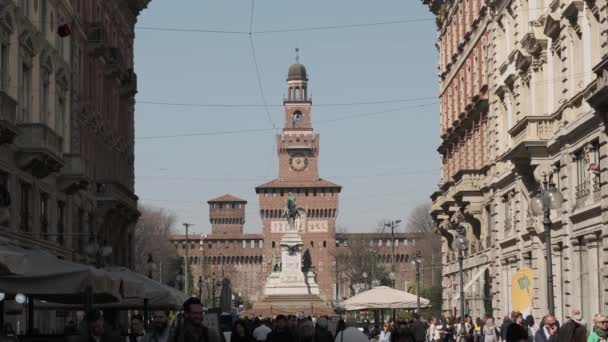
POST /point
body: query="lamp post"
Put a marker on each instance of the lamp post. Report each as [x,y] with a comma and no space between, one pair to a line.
[187,263]
[418,261]
[98,252]
[200,288]
[364,274]
[392,225]
[461,244]
[549,197]
[213,289]
[371,282]
[203,261]
[150,266]
[179,279]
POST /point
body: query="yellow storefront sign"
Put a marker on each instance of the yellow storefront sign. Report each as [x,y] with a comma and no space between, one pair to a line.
[522,291]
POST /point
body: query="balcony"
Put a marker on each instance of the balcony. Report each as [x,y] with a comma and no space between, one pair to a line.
[529,137]
[114,62]
[97,38]
[8,118]
[129,84]
[599,99]
[74,176]
[39,150]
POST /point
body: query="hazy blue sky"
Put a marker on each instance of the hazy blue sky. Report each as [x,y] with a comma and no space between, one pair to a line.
[386,162]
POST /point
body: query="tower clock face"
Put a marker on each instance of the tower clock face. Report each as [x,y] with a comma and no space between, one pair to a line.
[298,162]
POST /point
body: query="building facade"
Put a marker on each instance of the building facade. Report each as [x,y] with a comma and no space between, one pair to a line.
[67,95]
[542,68]
[245,258]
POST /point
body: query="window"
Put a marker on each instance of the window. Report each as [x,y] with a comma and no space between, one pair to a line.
[45,113]
[273,244]
[507,207]
[488,212]
[26,198]
[312,244]
[587,171]
[25,92]
[380,243]
[324,244]
[3,65]
[396,242]
[252,244]
[60,221]
[297,118]
[244,244]
[44,215]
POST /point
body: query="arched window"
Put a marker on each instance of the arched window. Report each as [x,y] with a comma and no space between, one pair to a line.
[273,244]
[297,118]
[312,243]
[324,244]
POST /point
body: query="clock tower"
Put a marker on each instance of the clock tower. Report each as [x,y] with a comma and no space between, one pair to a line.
[316,198]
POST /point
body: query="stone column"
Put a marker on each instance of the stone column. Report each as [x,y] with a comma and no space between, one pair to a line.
[558,260]
[574,276]
[593,255]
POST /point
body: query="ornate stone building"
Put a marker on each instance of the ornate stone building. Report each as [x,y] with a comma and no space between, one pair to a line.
[245,258]
[67,95]
[538,82]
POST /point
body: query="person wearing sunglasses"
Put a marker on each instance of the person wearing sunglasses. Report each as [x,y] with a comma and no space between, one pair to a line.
[600,329]
[548,330]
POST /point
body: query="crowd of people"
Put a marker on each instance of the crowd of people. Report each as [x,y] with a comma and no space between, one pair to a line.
[188,327]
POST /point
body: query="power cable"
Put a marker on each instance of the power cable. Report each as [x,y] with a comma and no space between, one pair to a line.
[354,116]
[229,105]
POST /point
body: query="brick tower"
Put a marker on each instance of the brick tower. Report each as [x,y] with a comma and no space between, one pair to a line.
[298,152]
[227,214]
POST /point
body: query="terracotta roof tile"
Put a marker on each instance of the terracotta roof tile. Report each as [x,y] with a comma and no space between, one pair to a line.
[227,198]
[281,184]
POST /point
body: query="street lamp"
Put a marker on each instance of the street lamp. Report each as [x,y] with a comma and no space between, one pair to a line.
[97,251]
[150,266]
[549,197]
[364,274]
[200,288]
[392,225]
[187,264]
[179,279]
[461,244]
[418,261]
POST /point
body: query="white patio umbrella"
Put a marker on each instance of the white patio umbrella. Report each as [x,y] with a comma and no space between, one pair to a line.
[47,277]
[12,259]
[159,296]
[382,297]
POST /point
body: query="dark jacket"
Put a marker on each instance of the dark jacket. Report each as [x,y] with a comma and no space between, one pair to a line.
[516,333]
[504,327]
[418,329]
[572,331]
[541,337]
[280,336]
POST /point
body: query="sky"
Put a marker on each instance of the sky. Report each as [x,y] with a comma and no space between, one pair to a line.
[374,91]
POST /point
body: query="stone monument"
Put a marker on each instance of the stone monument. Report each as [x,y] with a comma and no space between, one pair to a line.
[288,277]
[291,286]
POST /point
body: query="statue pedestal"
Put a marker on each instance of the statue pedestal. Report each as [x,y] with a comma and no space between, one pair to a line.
[290,280]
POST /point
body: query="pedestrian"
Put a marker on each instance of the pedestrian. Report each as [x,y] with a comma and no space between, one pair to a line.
[189,324]
[240,333]
[351,333]
[340,327]
[489,332]
[281,331]
[448,330]
[466,335]
[402,333]
[432,333]
[530,326]
[600,329]
[260,333]
[516,331]
[159,329]
[95,329]
[8,334]
[136,329]
[385,334]
[574,330]
[477,330]
[322,333]
[506,322]
[418,328]
[547,332]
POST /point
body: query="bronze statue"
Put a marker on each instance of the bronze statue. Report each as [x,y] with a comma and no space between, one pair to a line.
[291,210]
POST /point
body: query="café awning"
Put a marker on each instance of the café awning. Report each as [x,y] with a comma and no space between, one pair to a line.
[382,297]
[45,276]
